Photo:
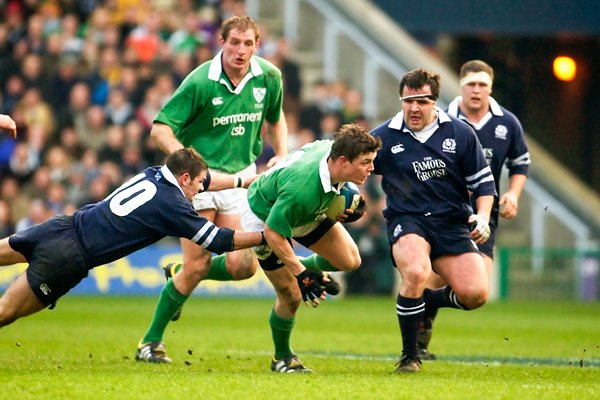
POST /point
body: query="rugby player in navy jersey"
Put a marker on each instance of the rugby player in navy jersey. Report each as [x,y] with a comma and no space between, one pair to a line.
[501,136]
[154,204]
[430,163]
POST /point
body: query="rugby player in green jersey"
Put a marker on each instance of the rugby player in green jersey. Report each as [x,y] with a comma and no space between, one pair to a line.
[289,201]
[219,110]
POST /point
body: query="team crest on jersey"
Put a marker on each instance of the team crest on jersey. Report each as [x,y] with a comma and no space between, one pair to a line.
[449,146]
[259,94]
[217,101]
[397,148]
[501,132]
[397,230]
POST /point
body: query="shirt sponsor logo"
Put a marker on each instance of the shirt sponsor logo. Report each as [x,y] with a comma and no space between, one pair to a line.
[217,101]
[238,130]
[449,146]
[237,118]
[397,148]
[429,168]
[259,94]
[501,132]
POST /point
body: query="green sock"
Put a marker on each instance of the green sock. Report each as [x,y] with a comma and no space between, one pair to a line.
[315,262]
[217,270]
[168,303]
[281,330]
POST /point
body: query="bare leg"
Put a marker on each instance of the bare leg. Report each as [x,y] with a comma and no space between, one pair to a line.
[18,301]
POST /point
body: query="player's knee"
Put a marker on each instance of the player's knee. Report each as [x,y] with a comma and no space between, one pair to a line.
[350,262]
[474,298]
[243,266]
[289,298]
[414,276]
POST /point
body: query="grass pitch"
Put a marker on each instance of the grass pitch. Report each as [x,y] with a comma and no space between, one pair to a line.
[221,349]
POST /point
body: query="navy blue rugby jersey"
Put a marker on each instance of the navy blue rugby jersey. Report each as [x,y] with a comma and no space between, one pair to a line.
[501,137]
[432,178]
[143,210]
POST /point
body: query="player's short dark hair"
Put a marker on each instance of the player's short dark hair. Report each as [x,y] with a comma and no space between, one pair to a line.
[475,66]
[241,23]
[351,141]
[186,160]
[417,78]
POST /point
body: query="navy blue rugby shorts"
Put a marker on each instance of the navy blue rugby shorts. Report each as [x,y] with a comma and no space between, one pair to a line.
[445,237]
[56,260]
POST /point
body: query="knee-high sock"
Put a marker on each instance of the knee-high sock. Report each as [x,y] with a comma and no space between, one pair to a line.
[216,271]
[281,329]
[169,301]
[442,297]
[315,262]
[410,313]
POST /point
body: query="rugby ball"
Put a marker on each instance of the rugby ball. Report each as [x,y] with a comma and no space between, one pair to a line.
[349,198]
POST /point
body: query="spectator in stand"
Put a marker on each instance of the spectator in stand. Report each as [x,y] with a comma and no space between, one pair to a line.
[145,39]
[92,132]
[38,213]
[112,149]
[23,162]
[69,140]
[17,199]
[37,112]
[7,226]
[12,92]
[59,164]
[118,109]
[75,113]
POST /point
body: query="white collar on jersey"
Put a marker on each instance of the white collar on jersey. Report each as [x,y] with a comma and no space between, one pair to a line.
[325,176]
[170,177]
[216,68]
[398,120]
[494,107]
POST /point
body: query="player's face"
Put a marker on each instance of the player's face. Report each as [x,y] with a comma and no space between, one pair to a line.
[358,170]
[238,49]
[475,96]
[192,186]
[418,112]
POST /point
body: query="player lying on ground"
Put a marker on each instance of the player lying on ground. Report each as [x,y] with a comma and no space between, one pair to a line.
[154,204]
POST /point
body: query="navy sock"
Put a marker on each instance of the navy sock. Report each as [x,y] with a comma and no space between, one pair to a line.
[410,313]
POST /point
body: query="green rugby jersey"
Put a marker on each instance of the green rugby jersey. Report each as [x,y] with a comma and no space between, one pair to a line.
[295,193]
[221,122]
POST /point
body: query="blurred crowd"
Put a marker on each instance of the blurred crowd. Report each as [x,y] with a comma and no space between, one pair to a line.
[83,79]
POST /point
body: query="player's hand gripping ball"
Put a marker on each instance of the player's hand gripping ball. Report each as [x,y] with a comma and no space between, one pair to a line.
[349,198]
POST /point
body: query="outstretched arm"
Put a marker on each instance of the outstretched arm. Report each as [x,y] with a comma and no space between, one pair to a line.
[222,181]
